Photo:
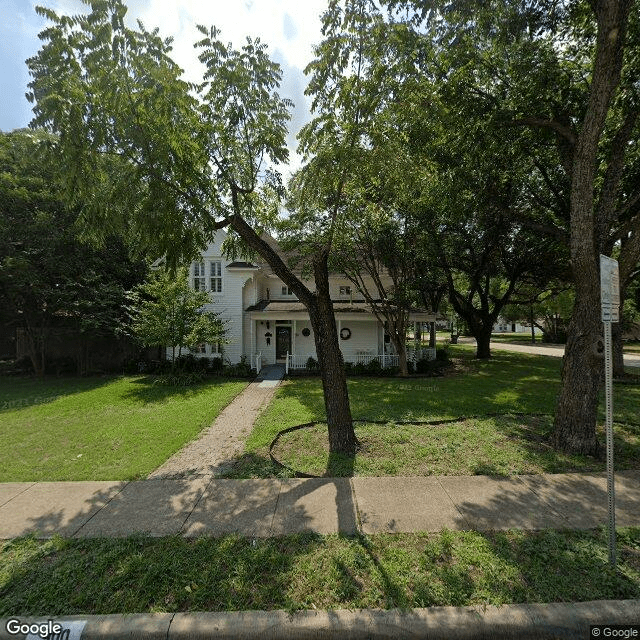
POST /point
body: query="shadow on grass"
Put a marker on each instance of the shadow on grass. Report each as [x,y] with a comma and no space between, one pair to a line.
[150,389]
[22,392]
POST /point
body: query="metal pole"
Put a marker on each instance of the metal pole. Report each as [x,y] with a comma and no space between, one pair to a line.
[608,380]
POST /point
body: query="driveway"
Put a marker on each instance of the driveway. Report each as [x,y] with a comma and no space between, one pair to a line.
[554,350]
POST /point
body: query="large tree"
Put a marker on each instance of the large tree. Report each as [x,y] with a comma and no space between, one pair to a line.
[171,162]
[48,278]
[567,72]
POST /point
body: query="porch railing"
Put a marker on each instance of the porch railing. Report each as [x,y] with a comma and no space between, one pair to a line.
[258,361]
[299,361]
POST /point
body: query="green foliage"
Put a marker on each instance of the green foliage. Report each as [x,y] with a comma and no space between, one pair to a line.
[169,313]
[48,278]
[162,159]
[241,369]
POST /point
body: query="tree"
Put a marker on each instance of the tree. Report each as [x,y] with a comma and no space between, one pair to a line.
[567,72]
[171,162]
[48,278]
[169,313]
[378,247]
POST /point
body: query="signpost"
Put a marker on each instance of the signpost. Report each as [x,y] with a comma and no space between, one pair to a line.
[610,305]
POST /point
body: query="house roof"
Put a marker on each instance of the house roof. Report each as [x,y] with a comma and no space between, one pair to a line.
[282,307]
[242,265]
[274,306]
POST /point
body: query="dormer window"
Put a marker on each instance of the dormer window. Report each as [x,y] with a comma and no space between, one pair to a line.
[199,280]
[286,291]
[345,290]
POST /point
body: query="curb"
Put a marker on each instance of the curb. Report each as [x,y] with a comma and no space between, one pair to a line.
[570,621]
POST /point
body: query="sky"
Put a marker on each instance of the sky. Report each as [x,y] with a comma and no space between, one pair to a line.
[290,28]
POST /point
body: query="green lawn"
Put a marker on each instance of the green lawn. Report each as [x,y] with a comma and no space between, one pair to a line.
[307,571]
[100,428]
[507,383]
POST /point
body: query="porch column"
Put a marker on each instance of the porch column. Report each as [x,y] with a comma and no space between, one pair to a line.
[293,337]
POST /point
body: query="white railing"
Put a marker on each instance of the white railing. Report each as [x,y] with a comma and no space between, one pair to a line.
[385,359]
[297,361]
[258,360]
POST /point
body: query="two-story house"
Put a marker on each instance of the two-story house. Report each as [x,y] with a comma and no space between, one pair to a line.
[267,324]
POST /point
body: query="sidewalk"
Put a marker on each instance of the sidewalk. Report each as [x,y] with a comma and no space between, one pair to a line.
[203,505]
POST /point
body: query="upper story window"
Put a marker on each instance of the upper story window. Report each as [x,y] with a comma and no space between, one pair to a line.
[286,291]
[215,284]
[199,279]
[345,290]
[212,270]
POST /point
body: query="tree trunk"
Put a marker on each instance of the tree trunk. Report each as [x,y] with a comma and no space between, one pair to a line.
[432,335]
[342,437]
[402,359]
[617,346]
[483,342]
[616,338]
[576,412]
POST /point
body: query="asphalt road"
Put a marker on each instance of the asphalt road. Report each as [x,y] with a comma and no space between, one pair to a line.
[554,350]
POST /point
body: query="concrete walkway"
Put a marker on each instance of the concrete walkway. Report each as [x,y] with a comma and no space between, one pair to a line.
[212,453]
[199,505]
[553,350]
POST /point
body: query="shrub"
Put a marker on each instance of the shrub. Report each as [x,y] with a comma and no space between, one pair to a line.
[312,364]
[240,370]
[442,354]
[373,367]
[215,365]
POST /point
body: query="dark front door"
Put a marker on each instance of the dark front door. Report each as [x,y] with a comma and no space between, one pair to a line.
[283,342]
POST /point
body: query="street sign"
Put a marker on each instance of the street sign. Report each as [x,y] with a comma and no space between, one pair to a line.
[609,289]
[610,305]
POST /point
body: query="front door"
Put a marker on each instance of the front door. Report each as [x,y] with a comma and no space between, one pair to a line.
[283,342]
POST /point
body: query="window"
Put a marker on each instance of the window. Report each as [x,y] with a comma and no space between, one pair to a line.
[198,276]
[286,291]
[216,277]
[201,348]
[345,290]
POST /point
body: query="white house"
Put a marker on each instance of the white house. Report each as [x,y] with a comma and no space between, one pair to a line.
[267,324]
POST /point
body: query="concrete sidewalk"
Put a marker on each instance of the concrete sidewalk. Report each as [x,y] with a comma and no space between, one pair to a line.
[203,505]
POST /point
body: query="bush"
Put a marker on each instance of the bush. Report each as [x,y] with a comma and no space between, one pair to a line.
[312,364]
[215,365]
[373,367]
[61,366]
[241,370]
[442,354]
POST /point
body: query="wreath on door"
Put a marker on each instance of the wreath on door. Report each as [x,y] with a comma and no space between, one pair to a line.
[345,333]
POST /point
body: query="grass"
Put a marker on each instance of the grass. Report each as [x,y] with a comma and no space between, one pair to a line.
[100,428]
[499,446]
[507,383]
[309,571]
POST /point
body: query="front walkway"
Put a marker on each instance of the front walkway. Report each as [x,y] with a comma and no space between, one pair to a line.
[212,453]
[203,505]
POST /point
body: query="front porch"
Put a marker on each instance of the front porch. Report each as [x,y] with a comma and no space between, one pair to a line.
[299,361]
[281,333]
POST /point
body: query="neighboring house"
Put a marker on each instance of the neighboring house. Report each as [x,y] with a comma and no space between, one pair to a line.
[267,324]
[504,326]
